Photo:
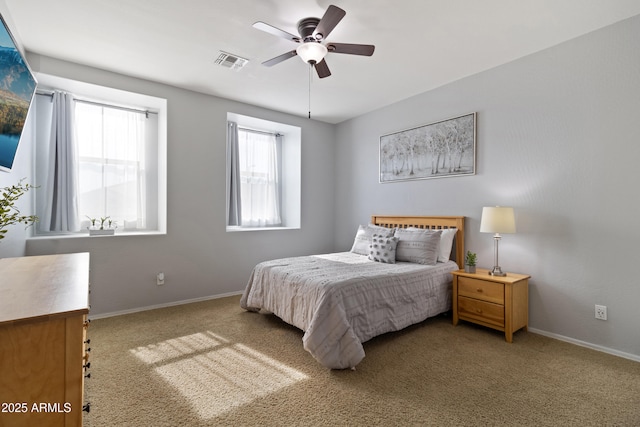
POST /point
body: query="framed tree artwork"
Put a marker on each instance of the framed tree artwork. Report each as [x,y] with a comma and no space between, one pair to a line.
[17,87]
[437,150]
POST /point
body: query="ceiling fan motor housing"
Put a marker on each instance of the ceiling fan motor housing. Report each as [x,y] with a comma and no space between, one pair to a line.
[306,27]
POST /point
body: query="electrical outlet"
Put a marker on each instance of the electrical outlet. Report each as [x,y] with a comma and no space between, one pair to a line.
[601,312]
[160,279]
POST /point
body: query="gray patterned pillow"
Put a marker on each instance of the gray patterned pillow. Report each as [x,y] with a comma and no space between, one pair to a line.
[446,242]
[419,246]
[363,237]
[383,248]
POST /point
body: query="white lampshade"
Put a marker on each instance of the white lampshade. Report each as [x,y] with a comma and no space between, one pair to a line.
[497,220]
[312,52]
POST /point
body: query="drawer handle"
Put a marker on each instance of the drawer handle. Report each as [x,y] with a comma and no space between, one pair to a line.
[479,290]
[478,311]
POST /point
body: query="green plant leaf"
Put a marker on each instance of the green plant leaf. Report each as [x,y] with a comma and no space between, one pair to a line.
[9,213]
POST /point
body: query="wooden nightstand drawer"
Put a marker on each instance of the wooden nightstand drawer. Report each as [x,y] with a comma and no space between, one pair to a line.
[481,311]
[481,289]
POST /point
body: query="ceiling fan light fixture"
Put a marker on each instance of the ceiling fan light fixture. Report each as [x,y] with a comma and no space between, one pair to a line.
[311,52]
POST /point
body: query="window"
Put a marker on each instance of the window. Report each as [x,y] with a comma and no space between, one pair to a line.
[112,147]
[120,158]
[263,174]
[258,158]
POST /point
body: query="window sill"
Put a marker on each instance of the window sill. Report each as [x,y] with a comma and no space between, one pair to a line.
[85,235]
[233,229]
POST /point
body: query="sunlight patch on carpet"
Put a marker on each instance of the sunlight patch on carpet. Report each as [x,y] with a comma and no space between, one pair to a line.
[215,375]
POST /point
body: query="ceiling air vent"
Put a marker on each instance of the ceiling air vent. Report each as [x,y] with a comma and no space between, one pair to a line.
[229,60]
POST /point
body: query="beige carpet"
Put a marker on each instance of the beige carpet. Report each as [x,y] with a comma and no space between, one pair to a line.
[212,363]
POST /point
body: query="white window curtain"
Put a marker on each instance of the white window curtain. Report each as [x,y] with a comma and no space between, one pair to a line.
[112,164]
[257,158]
[61,210]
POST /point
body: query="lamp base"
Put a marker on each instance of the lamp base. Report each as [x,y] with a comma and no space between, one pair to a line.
[497,271]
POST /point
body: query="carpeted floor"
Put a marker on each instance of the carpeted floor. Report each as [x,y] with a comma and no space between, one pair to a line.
[212,363]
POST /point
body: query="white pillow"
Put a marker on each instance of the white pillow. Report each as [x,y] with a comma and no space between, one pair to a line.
[446,243]
[363,237]
[383,248]
[419,246]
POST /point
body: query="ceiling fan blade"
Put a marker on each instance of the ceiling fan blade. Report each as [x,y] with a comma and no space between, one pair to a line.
[322,69]
[280,58]
[276,31]
[351,49]
[331,18]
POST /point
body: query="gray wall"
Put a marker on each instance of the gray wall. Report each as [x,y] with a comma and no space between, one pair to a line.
[199,258]
[14,242]
[558,139]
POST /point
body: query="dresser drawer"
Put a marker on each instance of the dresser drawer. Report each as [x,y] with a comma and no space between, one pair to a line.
[482,311]
[481,289]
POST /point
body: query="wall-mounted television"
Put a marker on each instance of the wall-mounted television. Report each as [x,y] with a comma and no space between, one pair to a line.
[17,88]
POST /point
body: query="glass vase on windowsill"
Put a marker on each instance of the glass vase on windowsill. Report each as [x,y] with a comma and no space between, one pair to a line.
[102,227]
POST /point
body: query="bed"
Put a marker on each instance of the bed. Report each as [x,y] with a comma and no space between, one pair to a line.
[341,300]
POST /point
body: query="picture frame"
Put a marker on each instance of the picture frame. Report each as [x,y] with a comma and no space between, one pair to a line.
[442,149]
[17,89]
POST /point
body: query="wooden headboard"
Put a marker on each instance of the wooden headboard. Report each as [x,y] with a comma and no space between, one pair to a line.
[428,222]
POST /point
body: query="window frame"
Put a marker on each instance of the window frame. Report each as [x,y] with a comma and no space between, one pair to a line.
[290,171]
[278,147]
[107,161]
[116,98]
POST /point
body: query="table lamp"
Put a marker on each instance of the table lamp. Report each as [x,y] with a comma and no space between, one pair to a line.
[497,220]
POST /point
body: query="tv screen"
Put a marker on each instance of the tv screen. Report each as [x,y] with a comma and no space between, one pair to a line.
[17,87]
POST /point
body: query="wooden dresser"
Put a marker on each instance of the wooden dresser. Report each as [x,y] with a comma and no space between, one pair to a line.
[500,303]
[44,302]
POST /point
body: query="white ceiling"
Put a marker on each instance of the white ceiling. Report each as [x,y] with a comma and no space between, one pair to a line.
[420,44]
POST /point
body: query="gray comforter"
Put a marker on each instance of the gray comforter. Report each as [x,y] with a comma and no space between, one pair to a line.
[342,300]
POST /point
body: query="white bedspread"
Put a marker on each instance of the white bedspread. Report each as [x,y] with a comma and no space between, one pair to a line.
[342,300]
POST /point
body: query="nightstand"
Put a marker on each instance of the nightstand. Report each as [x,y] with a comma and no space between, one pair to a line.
[500,303]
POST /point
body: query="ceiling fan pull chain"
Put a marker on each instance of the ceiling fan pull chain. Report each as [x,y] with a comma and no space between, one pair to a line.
[310,75]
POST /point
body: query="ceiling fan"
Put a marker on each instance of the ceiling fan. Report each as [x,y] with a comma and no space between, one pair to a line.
[313,32]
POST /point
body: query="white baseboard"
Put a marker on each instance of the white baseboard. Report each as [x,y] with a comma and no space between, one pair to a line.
[169,304]
[586,344]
